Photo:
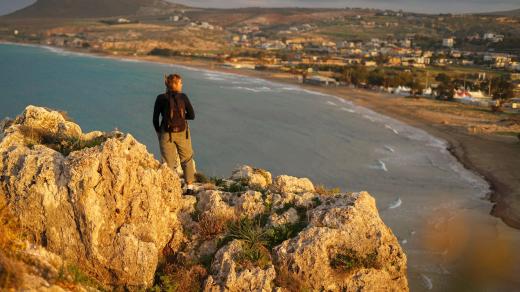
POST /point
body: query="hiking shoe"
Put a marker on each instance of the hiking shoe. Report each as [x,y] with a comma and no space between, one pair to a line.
[189,192]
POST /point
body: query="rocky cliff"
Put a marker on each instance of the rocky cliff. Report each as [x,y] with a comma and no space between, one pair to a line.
[97,211]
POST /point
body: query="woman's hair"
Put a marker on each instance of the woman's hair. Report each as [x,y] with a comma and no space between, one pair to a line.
[171,80]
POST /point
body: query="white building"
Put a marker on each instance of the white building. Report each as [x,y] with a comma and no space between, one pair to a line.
[448,42]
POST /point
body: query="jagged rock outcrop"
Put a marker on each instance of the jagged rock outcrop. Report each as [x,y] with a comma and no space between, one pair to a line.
[102,202]
[253,176]
[228,275]
[345,231]
[110,208]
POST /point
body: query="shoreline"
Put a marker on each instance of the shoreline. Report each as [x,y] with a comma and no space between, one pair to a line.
[481,154]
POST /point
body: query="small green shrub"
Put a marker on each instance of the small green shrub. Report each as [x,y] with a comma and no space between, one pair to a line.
[277,235]
[219,182]
[348,260]
[235,187]
[253,256]
[201,178]
[247,230]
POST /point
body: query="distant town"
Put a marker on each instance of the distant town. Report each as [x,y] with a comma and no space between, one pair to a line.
[469,58]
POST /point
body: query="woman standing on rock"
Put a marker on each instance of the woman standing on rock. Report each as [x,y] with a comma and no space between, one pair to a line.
[173,130]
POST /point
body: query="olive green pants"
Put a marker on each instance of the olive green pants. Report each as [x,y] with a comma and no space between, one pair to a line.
[181,146]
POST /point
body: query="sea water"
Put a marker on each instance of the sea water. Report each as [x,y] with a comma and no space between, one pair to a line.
[279,127]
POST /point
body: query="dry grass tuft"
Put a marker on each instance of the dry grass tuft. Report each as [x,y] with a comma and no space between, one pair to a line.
[287,280]
[11,273]
[324,191]
[209,227]
[177,277]
[10,230]
[58,142]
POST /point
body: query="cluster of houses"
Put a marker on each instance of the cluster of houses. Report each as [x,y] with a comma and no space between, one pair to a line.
[390,52]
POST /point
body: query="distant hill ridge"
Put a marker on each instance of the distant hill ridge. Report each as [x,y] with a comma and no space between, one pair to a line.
[510,13]
[93,8]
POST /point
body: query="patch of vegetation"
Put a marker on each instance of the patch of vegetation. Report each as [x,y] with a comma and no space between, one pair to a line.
[324,191]
[219,182]
[316,201]
[348,260]
[11,236]
[59,142]
[210,228]
[253,256]
[77,276]
[235,187]
[201,178]
[286,279]
[179,277]
[11,273]
[277,235]
[247,230]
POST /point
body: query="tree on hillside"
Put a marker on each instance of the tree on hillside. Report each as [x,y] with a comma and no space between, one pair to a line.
[356,75]
[502,88]
[376,77]
[446,87]
[416,86]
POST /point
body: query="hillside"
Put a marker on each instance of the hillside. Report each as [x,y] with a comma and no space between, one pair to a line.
[93,8]
[510,13]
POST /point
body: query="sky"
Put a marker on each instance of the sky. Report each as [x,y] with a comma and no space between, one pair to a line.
[423,6]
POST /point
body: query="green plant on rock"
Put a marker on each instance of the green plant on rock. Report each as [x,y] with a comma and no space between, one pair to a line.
[247,230]
[72,274]
[219,182]
[235,187]
[324,191]
[348,260]
[253,256]
[201,178]
[278,234]
[65,144]
[179,276]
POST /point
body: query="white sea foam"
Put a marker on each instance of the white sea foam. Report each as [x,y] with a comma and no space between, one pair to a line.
[380,165]
[395,204]
[348,110]
[331,103]
[427,282]
[370,118]
[258,89]
[389,148]
[392,129]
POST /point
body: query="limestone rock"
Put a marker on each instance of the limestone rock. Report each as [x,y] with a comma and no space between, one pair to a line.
[254,176]
[214,204]
[291,184]
[107,206]
[228,275]
[249,204]
[110,208]
[345,226]
[288,217]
